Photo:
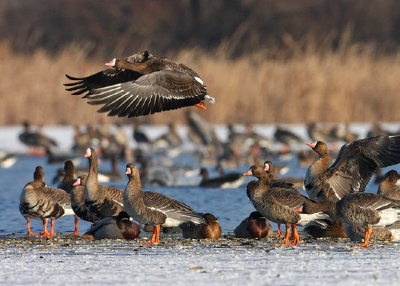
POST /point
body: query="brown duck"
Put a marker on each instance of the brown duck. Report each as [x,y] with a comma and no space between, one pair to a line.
[154,208]
[211,230]
[141,84]
[254,226]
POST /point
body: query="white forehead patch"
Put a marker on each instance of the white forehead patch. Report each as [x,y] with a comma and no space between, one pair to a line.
[89,152]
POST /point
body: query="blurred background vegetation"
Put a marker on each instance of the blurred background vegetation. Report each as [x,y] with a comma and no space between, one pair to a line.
[265,61]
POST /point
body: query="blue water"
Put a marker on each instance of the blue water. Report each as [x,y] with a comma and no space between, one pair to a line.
[230,206]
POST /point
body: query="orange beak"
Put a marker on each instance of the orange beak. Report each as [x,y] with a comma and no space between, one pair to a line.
[311,145]
[248,173]
[77,182]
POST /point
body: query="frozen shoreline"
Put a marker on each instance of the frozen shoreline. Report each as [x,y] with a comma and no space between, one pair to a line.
[199,262]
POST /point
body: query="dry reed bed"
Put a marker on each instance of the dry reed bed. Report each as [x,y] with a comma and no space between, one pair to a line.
[349,85]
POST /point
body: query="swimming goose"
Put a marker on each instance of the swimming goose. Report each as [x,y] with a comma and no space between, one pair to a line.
[254,226]
[40,202]
[53,158]
[78,201]
[115,227]
[7,160]
[102,201]
[211,230]
[388,187]
[280,204]
[154,208]
[287,137]
[230,180]
[353,168]
[141,84]
[35,140]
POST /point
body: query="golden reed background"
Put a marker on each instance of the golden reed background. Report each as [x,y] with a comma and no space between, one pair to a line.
[349,85]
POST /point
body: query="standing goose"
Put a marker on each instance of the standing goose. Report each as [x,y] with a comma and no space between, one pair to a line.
[368,211]
[102,201]
[389,233]
[388,187]
[280,204]
[67,184]
[154,208]
[353,168]
[69,177]
[115,227]
[141,84]
[78,201]
[38,182]
[273,182]
[40,202]
[297,183]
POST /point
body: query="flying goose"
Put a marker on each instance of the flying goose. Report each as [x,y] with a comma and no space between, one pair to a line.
[141,84]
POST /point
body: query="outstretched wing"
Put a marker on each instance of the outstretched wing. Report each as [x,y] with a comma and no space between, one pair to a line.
[126,94]
[358,160]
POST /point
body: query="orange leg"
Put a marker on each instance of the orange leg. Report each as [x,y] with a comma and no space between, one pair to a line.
[368,232]
[201,105]
[28,224]
[51,233]
[76,227]
[296,235]
[292,234]
[87,236]
[286,242]
[278,232]
[45,232]
[155,238]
